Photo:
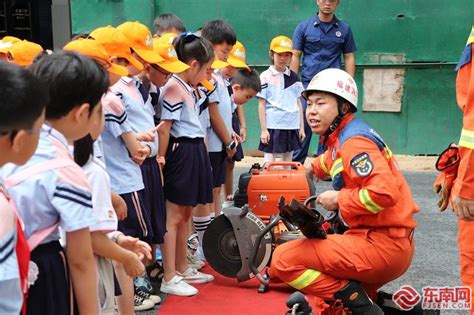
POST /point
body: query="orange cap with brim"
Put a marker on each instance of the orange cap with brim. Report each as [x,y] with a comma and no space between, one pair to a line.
[91,48]
[23,53]
[116,44]
[281,44]
[140,40]
[237,56]
[166,50]
[208,85]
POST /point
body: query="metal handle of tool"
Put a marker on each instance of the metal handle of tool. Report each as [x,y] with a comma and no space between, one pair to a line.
[253,254]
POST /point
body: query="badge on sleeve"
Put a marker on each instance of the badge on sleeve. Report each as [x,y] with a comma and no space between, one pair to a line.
[362,164]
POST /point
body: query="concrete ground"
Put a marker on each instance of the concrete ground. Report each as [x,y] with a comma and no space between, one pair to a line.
[436,261]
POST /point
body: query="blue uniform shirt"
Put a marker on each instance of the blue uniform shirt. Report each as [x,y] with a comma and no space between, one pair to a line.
[281,91]
[62,194]
[222,97]
[125,174]
[322,45]
[140,112]
[180,103]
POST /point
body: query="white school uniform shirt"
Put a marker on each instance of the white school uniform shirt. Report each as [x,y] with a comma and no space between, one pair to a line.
[222,97]
[281,90]
[62,194]
[101,196]
[10,288]
[140,113]
[125,174]
[180,102]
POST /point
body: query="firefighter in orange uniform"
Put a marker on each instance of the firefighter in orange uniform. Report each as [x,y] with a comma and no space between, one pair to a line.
[462,194]
[373,199]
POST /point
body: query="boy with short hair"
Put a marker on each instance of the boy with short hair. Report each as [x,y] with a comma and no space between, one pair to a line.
[221,142]
[168,23]
[58,193]
[22,104]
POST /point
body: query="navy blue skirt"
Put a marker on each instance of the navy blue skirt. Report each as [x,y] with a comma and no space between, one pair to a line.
[218,167]
[281,141]
[153,198]
[187,172]
[52,292]
[239,155]
[138,221]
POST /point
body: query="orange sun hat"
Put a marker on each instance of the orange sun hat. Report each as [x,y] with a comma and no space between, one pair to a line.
[164,47]
[140,39]
[23,53]
[116,44]
[237,56]
[281,44]
[91,48]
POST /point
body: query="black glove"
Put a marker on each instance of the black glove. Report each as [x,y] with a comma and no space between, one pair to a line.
[307,220]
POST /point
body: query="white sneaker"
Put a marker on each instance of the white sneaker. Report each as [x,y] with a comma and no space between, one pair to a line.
[195,262]
[191,275]
[177,286]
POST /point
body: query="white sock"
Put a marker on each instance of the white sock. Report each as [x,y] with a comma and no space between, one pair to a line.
[268,157]
[200,224]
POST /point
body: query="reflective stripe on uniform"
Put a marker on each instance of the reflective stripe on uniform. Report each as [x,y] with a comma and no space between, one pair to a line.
[337,167]
[467,139]
[388,153]
[323,165]
[470,39]
[368,203]
[305,279]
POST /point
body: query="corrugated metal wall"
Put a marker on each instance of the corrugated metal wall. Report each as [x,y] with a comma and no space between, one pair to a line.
[423,39]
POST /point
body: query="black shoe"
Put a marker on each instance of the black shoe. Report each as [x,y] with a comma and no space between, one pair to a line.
[356,299]
[155,274]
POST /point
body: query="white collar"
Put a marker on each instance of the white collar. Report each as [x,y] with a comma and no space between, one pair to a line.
[274,71]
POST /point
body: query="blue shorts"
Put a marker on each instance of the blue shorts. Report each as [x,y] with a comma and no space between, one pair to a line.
[138,222]
[218,167]
[187,172]
[281,141]
[154,200]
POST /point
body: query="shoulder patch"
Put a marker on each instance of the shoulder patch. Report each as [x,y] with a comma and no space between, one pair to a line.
[362,164]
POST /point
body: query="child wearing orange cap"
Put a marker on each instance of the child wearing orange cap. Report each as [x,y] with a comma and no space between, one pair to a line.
[279,105]
[137,100]
[187,173]
[117,244]
[119,139]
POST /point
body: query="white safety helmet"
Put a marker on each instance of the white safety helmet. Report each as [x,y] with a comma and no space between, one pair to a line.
[334,81]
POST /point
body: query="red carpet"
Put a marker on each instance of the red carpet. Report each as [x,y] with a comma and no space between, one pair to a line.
[227,296]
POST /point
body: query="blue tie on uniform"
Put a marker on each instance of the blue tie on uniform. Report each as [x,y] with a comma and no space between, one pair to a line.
[143,91]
